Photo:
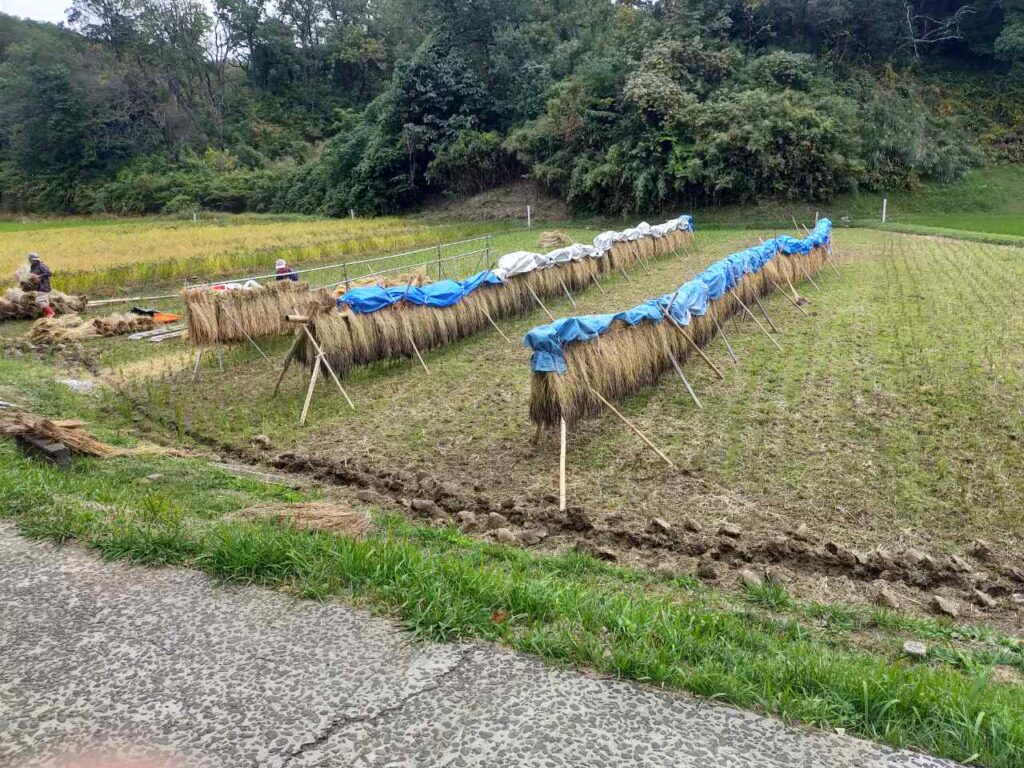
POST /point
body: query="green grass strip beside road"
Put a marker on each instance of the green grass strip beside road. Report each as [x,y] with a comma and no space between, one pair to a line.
[569,608]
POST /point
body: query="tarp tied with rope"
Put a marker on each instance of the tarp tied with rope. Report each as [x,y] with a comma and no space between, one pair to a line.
[447,293]
[690,299]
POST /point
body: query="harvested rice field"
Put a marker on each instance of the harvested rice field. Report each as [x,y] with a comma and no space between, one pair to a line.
[832,501]
[890,423]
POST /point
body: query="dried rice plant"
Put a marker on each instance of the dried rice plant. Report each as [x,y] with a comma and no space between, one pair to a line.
[18,304]
[57,330]
[552,239]
[70,432]
[417,278]
[214,317]
[351,339]
[628,358]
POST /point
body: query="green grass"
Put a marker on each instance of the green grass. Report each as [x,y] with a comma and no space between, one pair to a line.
[568,609]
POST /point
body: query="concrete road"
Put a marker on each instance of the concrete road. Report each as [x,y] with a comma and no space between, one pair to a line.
[101,659]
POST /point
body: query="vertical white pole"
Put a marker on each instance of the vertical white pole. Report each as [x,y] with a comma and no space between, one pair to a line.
[885,208]
[529,219]
[561,468]
[816,217]
[351,213]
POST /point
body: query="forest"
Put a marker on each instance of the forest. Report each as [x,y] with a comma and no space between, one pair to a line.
[378,106]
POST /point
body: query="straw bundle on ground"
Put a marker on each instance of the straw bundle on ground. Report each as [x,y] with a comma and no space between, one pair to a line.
[554,238]
[71,433]
[229,315]
[627,358]
[18,304]
[57,330]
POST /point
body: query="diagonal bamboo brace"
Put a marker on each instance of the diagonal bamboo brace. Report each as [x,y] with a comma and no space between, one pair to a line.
[694,344]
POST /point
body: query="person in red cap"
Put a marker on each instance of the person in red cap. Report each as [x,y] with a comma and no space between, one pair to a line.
[41,275]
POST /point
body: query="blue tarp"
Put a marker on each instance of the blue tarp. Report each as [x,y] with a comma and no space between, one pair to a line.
[691,298]
[443,293]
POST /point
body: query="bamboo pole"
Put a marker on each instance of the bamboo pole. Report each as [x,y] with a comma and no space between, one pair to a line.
[754,318]
[625,274]
[561,469]
[597,282]
[728,346]
[567,294]
[781,290]
[807,274]
[239,327]
[416,350]
[679,371]
[309,392]
[322,357]
[539,302]
[631,425]
[491,321]
[694,344]
[287,362]
[195,370]
[765,313]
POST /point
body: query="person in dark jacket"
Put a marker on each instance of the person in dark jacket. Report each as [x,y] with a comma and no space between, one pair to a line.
[41,275]
[284,272]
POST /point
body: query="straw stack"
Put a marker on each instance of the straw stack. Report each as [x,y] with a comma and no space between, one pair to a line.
[227,316]
[57,330]
[627,358]
[19,304]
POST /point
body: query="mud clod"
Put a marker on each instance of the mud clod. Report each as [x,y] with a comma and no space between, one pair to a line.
[730,530]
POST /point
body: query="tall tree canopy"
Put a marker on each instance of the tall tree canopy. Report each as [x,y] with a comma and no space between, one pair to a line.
[375,105]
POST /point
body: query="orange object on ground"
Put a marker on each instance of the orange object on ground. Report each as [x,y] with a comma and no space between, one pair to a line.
[165,317]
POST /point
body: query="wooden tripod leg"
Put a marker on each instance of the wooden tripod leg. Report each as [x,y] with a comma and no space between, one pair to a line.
[321,357]
[287,362]
[807,274]
[625,274]
[598,284]
[309,392]
[561,469]
[195,369]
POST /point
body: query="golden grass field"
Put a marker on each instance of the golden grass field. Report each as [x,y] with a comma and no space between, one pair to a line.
[98,258]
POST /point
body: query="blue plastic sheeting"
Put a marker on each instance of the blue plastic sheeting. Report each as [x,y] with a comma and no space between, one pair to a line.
[446,293]
[443,293]
[690,299]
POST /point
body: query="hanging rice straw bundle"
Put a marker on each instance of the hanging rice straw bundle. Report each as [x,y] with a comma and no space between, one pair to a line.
[624,359]
[215,316]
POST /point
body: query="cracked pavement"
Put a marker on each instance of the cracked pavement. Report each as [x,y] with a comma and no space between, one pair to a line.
[100,659]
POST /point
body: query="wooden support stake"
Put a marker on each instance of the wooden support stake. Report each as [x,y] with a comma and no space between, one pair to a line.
[795,303]
[695,345]
[631,425]
[416,350]
[679,371]
[754,318]
[807,274]
[765,313]
[728,346]
[287,362]
[567,294]
[195,370]
[491,321]
[322,358]
[251,341]
[598,283]
[625,274]
[309,392]
[539,302]
[561,469]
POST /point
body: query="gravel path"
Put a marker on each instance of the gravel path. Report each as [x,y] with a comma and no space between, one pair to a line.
[99,658]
